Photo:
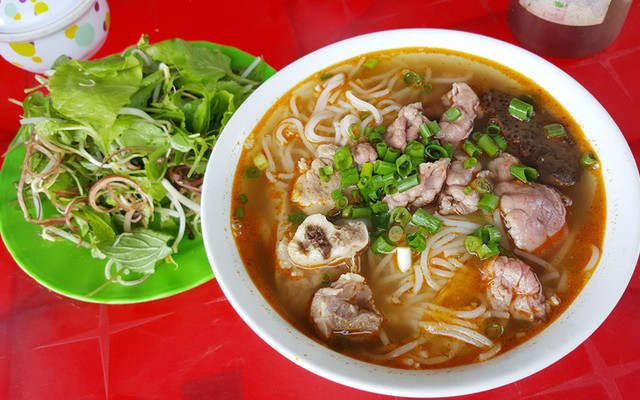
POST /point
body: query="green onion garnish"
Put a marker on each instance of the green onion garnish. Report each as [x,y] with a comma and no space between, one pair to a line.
[589,160]
[354,130]
[470,162]
[520,110]
[361,212]
[395,233]
[384,167]
[487,250]
[472,242]
[326,76]
[343,158]
[382,245]
[381,149]
[296,217]
[423,218]
[416,242]
[326,279]
[453,113]
[412,79]
[414,149]
[339,199]
[488,145]
[524,173]
[489,202]
[488,233]
[350,176]
[403,165]
[553,130]
[492,130]
[380,129]
[364,115]
[493,330]
[428,130]
[435,152]
[243,198]
[408,183]
[467,190]
[367,170]
[482,185]
[427,88]
[392,154]
[471,149]
[371,63]
[240,212]
[261,162]
[379,207]
[252,172]
[501,142]
[401,216]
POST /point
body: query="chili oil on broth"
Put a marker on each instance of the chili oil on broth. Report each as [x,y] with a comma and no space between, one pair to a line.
[560,268]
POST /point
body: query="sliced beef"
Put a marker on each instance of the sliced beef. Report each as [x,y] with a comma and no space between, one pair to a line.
[500,168]
[406,126]
[556,159]
[513,286]
[310,192]
[432,178]
[345,308]
[453,199]
[466,101]
[532,213]
[318,242]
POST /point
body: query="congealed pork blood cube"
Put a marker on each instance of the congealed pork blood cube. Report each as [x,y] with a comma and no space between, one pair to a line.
[557,159]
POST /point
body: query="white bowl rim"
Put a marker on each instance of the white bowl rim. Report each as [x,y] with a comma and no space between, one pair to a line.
[52,26]
[559,339]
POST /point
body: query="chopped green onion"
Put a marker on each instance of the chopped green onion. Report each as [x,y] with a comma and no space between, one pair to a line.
[243,198]
[589,160]
[380,129]
[423,218]
[343,158]
[408,183]
[361,212]
[524,173]
[296,217]
[403,165]
[427,87]
[383,167]
[401,216]
[416,242]
[453,113]
[395,233]
[346,212]
[471,243]
[364,115]
[412,79]
[339,199]
[488,145]
[414,149]
[371,63]
[435,152]
[327,170]
[520,110]
[392,154]
[240,212]
[252,172]
[354,130]
[470,162]
[467,190]
[449,148]
[487,250]
[326,279]
[475,136]
[326,76]
[381,221]
[471,149]
[493,330]
[553,130]
[261,162]
[501,142]
[493,130]
[379,207]
[368,131]
[390,187]
[482,185]
[382,245]
[367,170]
[381,149]
[489,202]
[355,195]
[428,130]
[350,176]
[489,234]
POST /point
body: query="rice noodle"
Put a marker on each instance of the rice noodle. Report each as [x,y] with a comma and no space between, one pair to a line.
[309,129]
[331,84]
[593,261]
[458,332]
[362,105]
[251,67]
[488,354]
[446,80]
[533,259]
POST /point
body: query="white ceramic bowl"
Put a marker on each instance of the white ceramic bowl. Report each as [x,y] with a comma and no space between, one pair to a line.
[593,305]
[33,34]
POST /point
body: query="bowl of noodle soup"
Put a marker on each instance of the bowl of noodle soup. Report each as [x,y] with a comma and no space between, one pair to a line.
[430,326]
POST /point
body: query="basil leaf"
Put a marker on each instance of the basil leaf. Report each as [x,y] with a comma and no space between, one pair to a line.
[138,251]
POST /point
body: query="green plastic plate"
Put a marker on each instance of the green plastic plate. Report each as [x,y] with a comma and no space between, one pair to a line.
[71,271]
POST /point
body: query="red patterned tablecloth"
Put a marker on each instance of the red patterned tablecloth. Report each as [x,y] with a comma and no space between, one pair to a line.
[193,345]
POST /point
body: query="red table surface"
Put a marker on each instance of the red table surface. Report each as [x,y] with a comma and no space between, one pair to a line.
[194,345]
